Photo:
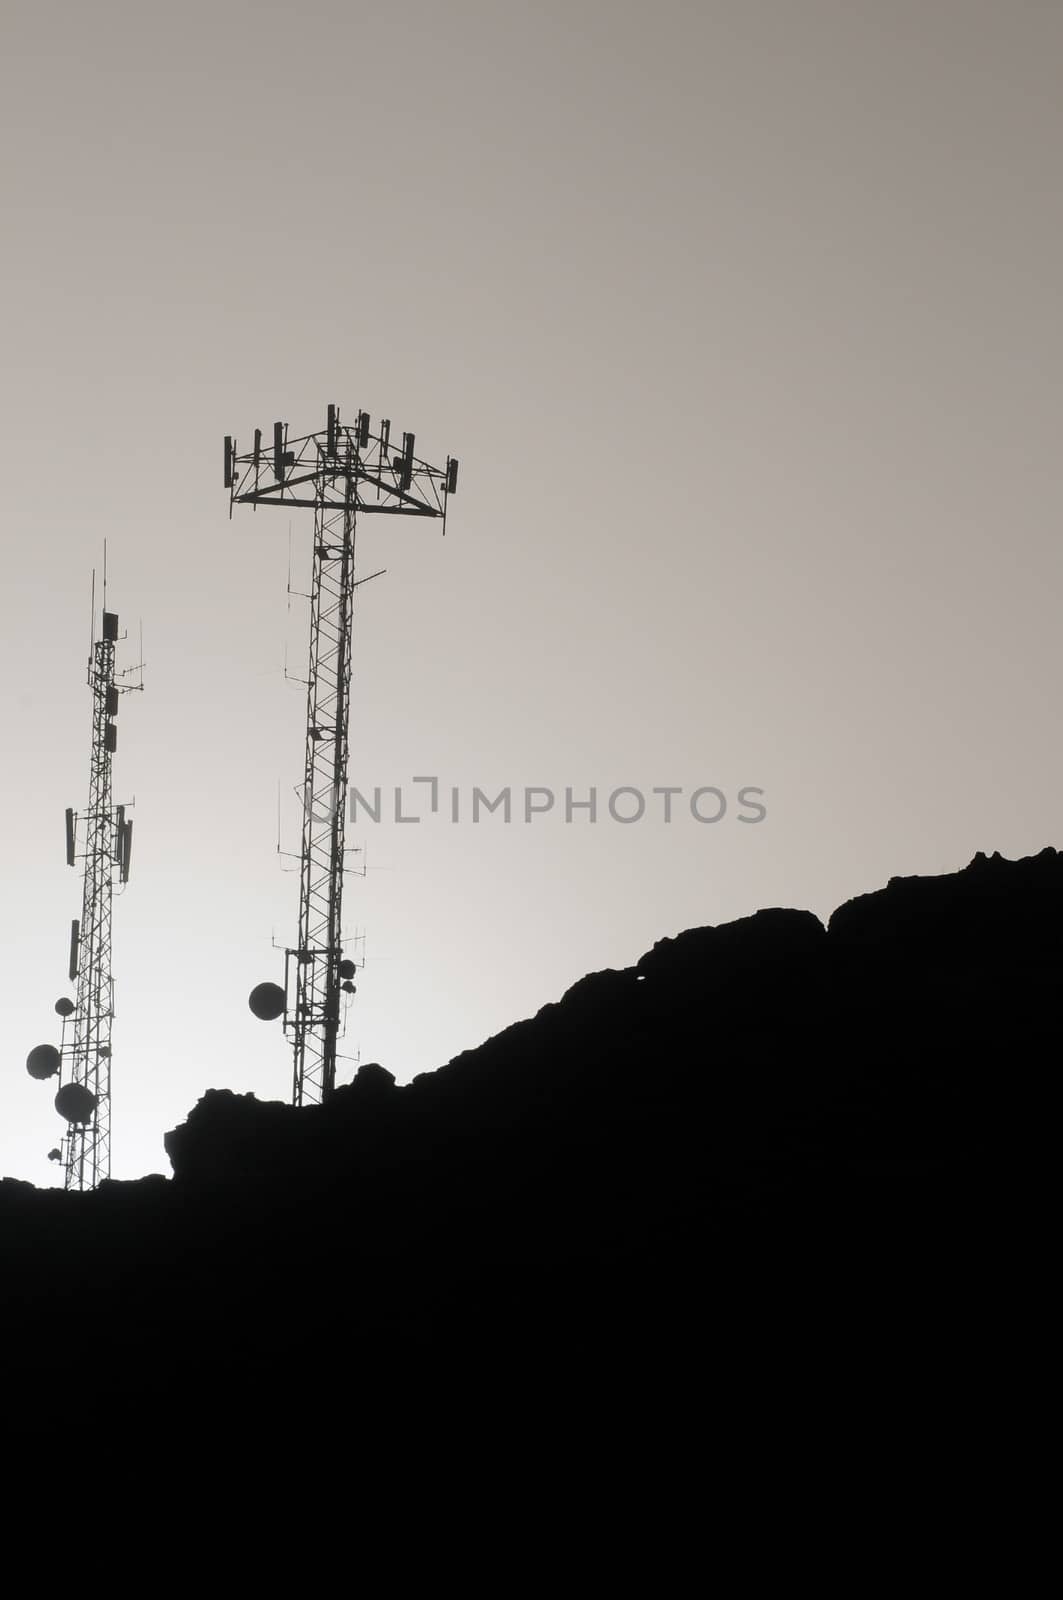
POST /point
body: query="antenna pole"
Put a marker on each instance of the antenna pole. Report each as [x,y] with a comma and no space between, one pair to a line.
[314,1021]
[83,1062]
[87,1146]
[338,473]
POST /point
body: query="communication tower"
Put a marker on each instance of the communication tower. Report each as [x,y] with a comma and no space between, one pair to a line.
[338,473]
[102,839]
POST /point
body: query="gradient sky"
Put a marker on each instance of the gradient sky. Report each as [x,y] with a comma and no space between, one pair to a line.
[743,320]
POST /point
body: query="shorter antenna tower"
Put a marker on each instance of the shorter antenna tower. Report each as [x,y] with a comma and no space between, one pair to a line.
[339,473]
[102,839]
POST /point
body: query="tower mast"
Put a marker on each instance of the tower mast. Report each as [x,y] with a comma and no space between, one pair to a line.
[338,473]
[83,1061]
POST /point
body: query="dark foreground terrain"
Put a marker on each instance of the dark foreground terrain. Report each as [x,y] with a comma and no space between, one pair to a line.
[772,1160]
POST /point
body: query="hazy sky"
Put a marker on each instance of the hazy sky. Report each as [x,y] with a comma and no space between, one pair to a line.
[743,320]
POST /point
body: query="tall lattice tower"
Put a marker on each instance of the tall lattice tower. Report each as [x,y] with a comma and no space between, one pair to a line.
[102,839]
[337,473]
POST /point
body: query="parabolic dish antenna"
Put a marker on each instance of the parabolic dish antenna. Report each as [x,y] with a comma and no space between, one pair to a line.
[267,1001]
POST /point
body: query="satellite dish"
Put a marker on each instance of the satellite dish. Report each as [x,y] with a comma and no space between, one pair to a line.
[348,988]
[76,1103]
[347,969]
[55,1155]
[105,1050]
[64,1007]
[267,1001]
[43,1061]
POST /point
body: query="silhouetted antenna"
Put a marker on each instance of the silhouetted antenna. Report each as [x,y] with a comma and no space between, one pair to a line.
[407,460]
[83,1059]
[337,472]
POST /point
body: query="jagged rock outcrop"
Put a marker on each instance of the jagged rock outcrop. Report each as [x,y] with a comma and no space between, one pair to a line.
[762,1124]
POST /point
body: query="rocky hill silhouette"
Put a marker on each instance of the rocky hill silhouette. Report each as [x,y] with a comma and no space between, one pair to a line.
[769,1149]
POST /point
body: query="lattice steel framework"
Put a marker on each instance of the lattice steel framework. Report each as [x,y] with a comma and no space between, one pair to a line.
[337,473]
[107,843]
